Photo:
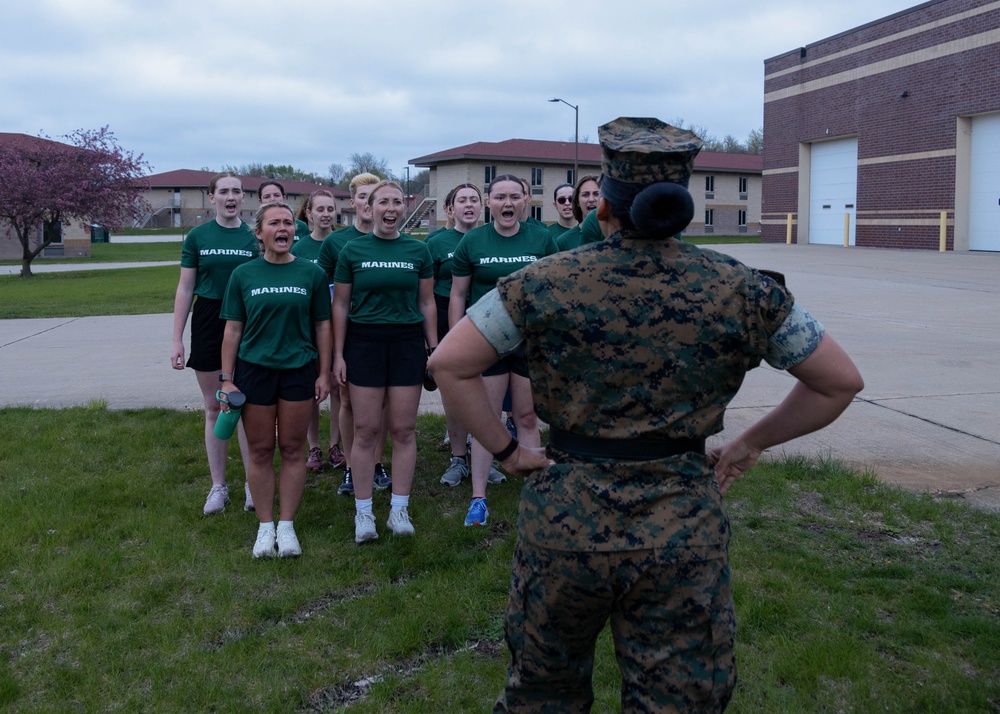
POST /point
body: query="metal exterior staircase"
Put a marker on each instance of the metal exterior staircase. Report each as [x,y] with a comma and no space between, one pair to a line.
[421,212]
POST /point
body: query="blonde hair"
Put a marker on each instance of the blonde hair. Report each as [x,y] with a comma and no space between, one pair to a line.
[365,179]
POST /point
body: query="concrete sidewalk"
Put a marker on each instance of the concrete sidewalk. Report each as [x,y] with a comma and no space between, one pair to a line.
[923,328]
[41,266]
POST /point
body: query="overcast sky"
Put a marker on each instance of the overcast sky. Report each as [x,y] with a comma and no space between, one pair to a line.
[209,83]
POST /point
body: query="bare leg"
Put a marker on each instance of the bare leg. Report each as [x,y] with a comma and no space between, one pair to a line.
[402,406]
[293,423]
[523,404]
[216,448]
[496,387]
[366,403]
[259,421]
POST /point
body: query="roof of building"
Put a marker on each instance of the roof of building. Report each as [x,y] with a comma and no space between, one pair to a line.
[563,152]
[188,178]
[26,141]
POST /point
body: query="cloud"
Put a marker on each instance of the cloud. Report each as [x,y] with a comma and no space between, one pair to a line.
[192,84]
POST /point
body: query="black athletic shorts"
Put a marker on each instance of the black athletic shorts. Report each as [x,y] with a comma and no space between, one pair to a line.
[207,329]
[265,386]
[385,355]
[515,362]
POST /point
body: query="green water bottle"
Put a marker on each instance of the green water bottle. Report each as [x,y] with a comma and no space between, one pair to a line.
[225,425]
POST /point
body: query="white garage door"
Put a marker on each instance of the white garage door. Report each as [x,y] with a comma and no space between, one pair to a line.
[984,195]
[833,190]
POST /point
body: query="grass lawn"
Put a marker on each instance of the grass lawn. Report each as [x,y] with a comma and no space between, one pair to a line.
[124,291]
[81,293]
[116,593]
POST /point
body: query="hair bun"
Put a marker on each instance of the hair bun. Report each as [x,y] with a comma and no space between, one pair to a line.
[662,209]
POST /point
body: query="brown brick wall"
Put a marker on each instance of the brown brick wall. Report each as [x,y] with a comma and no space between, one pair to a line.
[886,124]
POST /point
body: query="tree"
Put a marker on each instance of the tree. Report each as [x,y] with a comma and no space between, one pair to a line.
[366,163]
[283,172]
[89,178]
[336,172]
[755,141]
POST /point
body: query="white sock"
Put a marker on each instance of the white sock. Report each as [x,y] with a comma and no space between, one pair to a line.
[264,527]
[285,524]
[399,501]
[363,505]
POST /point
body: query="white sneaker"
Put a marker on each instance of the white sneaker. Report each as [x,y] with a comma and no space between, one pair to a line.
[264,547]
[288,543]
[248,506]
[399,521]
[364,527]
[217,499]
[496,475]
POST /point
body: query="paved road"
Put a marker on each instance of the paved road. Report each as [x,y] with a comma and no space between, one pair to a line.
[923,327]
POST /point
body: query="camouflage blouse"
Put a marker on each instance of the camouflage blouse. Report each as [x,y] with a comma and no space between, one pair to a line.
[627,339]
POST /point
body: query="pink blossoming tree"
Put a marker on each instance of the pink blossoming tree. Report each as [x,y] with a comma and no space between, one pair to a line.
[89,178]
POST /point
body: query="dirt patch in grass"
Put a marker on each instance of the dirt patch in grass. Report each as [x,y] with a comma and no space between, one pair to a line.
[344,694]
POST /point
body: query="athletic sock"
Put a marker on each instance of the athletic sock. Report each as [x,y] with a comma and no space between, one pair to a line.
[363,505]
[399,501]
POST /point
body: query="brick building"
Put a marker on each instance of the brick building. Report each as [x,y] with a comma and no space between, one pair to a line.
[179,199]
[884,128]
[725,187]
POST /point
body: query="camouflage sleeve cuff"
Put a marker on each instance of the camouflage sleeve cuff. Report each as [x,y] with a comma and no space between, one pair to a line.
[490,317]
[795,340]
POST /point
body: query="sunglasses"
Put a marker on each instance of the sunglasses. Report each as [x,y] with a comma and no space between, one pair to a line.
[564,199]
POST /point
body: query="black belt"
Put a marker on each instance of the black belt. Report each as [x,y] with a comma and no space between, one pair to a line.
[592,447]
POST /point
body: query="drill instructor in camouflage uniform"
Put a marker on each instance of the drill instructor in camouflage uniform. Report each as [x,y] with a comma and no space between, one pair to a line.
[635,345]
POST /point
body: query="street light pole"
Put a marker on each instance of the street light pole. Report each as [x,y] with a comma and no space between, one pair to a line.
[407,197]
[576,139]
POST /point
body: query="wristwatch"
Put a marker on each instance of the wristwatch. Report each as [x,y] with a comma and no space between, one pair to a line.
[223,377]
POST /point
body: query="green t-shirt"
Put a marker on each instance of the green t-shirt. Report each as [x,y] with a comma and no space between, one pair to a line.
[570,239]
[308,248]
[557,229]
[215,252]
[434,233]
[442,246]
[488,256]
[385,278]
[332,245]
[301,229]
[278,305]
[590,229]
[587,232]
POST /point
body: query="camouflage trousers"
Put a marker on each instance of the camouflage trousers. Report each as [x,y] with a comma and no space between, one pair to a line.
[671,614]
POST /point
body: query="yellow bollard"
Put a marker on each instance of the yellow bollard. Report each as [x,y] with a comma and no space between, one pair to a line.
[943,241]
[847,229]
[788,230]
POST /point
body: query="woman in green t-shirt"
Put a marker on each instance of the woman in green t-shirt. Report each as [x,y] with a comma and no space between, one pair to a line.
[484,255]
[384,321]
[585,197]
[276,351]
[321,213]
[466,207]
[209,255]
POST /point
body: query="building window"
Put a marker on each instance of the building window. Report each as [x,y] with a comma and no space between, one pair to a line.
[570,177]
[743,218]
[536,177]
[536,212]
[709,217]
[486,214]
[743,184]
[490,174]
[709,184]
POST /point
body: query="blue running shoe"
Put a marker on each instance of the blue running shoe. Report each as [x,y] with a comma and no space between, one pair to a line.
[511,428]
[477,512]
